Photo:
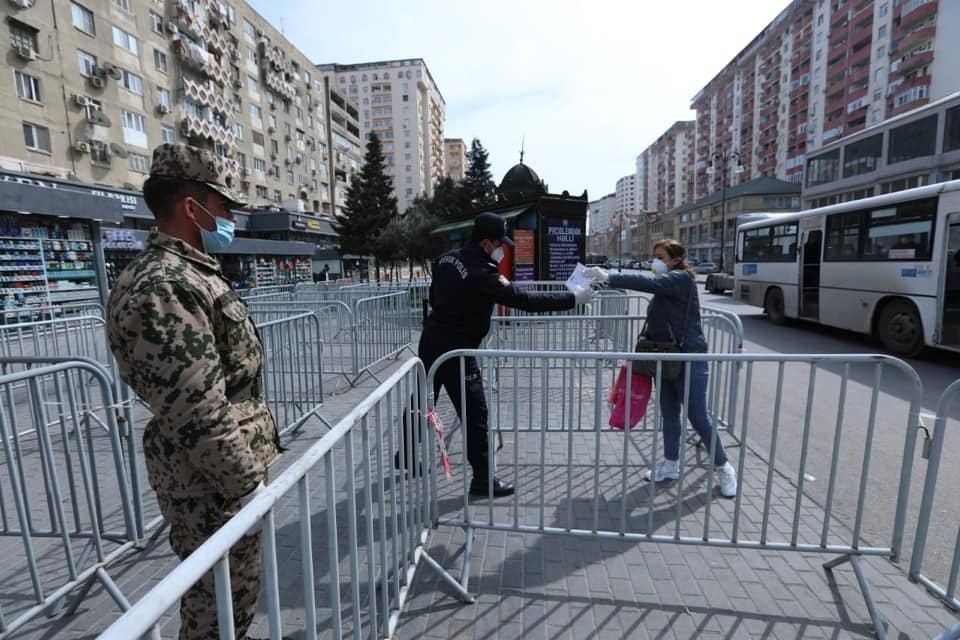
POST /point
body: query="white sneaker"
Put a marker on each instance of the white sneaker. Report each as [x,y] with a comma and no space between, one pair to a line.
[727,480]
[665,470]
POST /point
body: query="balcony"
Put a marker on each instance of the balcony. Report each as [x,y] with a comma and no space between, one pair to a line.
[208,130]
[205,94]
[912,40]
[911,63]
[914,11]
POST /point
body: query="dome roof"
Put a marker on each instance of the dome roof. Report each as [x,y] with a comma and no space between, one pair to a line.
[521,181]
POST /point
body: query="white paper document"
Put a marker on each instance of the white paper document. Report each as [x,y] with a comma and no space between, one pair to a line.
[577,280]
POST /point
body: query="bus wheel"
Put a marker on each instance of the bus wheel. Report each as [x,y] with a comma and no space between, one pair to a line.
[900,328]
[773,306]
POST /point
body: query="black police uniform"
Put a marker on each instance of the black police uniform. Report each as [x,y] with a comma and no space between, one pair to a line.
[465,287]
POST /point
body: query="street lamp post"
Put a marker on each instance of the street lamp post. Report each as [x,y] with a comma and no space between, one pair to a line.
[724,159]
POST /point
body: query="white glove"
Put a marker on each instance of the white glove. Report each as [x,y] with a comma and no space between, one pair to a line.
[584,295]
[598,274]
[247,499]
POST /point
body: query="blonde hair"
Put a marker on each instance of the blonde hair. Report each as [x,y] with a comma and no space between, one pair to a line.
[675,249]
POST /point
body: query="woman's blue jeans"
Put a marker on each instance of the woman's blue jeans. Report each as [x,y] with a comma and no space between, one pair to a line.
[671,391]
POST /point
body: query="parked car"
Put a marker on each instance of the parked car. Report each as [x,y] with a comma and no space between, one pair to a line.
[646,264]
[692,262]
[706,267]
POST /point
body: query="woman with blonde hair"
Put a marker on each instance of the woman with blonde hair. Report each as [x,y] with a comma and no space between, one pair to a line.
[674,315]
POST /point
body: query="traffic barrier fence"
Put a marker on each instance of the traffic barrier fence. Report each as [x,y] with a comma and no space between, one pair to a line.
[74,518]
[372,528]
[586,479]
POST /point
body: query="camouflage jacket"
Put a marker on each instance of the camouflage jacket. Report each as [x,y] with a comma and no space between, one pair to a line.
[184,342]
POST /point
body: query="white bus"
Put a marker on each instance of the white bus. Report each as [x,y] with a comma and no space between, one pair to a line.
[887,266]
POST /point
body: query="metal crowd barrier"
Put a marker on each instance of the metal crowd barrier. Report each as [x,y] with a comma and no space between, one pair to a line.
[292,370]
[616,334]
[67,337]
[586,481]
[266,290]
[939,513]
[372,528]
[67,503]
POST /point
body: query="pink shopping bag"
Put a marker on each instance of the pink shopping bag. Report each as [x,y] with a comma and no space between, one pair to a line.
[641,387]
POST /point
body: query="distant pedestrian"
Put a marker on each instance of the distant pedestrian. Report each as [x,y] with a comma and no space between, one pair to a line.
[184,342]
[325,274]
[465,287]
[674,313]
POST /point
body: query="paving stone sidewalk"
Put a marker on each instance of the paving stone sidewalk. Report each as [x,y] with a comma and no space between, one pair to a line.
[533,586]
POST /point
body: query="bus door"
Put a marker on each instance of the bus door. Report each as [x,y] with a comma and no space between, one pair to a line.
[811,250]
[950,328]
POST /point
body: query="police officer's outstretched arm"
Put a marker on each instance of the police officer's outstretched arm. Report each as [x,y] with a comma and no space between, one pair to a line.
[166,339]
[497,289]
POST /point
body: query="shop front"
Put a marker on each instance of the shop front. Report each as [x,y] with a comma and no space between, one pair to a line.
[50,243]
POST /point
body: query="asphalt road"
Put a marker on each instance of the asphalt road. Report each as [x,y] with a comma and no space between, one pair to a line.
[936,371]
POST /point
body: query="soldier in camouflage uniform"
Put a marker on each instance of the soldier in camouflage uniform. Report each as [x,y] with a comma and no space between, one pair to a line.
[184,342]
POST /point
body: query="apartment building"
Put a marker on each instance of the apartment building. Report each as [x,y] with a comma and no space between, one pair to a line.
[455,158]
[136,73]
[600,217]
[343,139]
[400,102]
[820,71]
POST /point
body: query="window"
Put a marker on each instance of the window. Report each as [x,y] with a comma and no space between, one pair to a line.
[824,168]
[862,156]
[769,244]
[238,131]
[913,140]
[156,23]
[168,134]
[28,87]
[123,4]
[164,97]
[900,232]
[256,112]
[259,164]
[242,160]
[138,162]
[36,138]
[22,35]
[82,18]
[277,196]
[272,121]
[882,32]
[252,85]
[258,138]
[99,153]
[125,40]
[262,193]
[289,176]
[134,129]
[160,61]
[248,29]
[951,129]
[87,63]
[132,82]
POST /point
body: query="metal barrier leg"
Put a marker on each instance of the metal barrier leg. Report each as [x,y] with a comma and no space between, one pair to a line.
[854,561]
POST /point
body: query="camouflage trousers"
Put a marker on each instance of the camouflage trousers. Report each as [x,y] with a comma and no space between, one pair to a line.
[192,521]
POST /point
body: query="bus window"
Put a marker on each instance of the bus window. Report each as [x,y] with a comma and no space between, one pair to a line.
[901,232]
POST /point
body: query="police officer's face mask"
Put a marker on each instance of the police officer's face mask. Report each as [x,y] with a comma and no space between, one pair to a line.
[221,237]
[497,254]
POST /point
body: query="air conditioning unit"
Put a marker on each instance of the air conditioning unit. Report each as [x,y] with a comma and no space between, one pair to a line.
[237,82]
[163,109]
[25,53]
[245,172]
[97,82]
[288,137]
[235,55]
[172,27]
[81,101]
[299,160]
[273,156]
[271,129]
[288,162]
[81,146]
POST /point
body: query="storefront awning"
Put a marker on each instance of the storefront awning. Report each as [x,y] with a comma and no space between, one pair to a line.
[21,193]
[468,223]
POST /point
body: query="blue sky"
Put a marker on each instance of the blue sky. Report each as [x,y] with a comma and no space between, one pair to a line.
[587,85]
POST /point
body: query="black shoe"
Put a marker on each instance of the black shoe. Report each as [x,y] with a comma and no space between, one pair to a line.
[396,465]
[481,488]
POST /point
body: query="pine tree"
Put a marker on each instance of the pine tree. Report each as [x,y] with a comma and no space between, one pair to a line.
[369,207]
[448,200]
[478,186]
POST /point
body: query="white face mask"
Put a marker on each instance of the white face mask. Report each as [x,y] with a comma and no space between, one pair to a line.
[497,255]
[659,266]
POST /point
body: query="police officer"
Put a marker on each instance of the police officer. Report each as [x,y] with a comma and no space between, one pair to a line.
[185,344]
[465,287]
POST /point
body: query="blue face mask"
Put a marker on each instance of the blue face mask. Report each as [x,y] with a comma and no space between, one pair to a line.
[220,238]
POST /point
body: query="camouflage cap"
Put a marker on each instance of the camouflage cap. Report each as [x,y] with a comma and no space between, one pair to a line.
[185,162]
